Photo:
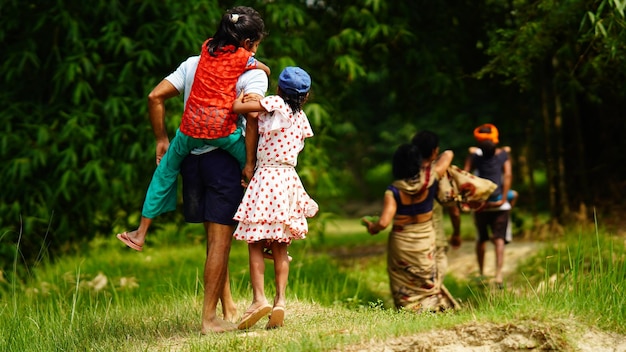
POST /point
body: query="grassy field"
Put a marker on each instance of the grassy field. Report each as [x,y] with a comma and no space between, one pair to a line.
[111,298]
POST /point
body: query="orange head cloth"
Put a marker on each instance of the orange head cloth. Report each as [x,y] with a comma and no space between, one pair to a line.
[486,132]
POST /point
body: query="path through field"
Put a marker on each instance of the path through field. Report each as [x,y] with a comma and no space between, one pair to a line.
[489,337]
[462,262]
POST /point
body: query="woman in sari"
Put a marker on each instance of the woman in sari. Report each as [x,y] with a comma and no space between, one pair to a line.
[408,206]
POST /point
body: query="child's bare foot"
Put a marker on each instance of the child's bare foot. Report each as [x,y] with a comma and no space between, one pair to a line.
[217,325]
[132,240]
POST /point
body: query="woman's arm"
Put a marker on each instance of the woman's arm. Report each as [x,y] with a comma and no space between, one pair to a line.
[389,211]
[443,162]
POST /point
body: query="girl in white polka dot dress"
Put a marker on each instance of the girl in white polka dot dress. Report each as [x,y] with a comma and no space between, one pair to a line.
[275,206]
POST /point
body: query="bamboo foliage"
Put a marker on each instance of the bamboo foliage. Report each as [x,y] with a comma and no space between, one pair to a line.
[76,139]
[78,151]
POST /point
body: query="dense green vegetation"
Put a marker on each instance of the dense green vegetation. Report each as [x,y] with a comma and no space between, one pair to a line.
[109,299]
[77,149]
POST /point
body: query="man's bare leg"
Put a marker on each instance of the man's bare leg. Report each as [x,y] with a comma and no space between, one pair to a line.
[229,308]
[480,255]
[499,243]
[219,238]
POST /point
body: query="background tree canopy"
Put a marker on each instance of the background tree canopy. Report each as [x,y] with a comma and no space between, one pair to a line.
[78,151]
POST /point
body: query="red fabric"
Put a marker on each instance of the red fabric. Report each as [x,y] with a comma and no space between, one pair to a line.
[208,114]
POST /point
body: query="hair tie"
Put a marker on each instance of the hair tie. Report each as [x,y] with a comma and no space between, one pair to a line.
[234,17]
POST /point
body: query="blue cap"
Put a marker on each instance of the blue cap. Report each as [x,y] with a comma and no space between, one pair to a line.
[294,80]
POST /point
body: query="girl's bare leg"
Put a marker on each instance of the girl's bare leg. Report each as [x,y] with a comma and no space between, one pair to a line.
[259,306]
[257,273]
[281,270]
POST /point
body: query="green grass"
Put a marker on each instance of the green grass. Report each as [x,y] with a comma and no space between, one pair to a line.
[111,298]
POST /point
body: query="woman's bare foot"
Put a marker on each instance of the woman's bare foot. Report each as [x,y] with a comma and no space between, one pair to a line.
[217,325]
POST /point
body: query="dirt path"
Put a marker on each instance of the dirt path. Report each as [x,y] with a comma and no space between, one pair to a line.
[489,337]
[462,262]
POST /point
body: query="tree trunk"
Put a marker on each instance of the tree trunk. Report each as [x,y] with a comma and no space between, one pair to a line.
[550,165]
[526,163]
[563,198]
[581,166]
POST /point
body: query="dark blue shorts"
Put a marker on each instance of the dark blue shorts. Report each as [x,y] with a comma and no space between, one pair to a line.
[211,187]
[497,221]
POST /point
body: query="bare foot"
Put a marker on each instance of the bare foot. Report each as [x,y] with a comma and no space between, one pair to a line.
[132,239]
[230,314]
[217,325]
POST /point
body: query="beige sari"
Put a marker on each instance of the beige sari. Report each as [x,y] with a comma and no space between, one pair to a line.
[414,278]
[411,265]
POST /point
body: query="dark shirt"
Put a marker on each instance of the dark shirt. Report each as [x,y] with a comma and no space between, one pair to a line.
[491,169]
[416,208]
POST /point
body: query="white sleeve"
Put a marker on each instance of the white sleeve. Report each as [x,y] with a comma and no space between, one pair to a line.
[253,81]
[177,78]
[182,78]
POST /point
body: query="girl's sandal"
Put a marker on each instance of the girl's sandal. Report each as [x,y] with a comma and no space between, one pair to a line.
[277,318]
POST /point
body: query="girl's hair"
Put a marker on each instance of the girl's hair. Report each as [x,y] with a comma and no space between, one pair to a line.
[295,101]
[426,141]
[237,24]
[407,162]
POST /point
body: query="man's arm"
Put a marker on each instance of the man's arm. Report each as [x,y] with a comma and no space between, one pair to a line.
[506,180]
[253,84]
[156,110]
[251,139]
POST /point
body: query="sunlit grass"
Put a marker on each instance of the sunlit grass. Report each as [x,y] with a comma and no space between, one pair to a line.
[112,298]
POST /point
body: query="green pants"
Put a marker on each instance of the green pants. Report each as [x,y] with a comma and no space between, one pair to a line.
[161,196]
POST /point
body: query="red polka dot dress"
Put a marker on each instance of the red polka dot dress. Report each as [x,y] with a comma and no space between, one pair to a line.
[276,205]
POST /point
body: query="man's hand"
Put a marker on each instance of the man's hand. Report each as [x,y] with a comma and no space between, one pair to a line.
[455,241]
[246,174]
[161,148]
[495,204]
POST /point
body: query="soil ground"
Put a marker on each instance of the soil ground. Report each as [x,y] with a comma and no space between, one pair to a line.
[489,337]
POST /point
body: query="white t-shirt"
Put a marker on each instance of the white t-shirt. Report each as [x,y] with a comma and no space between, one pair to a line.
[250,82]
